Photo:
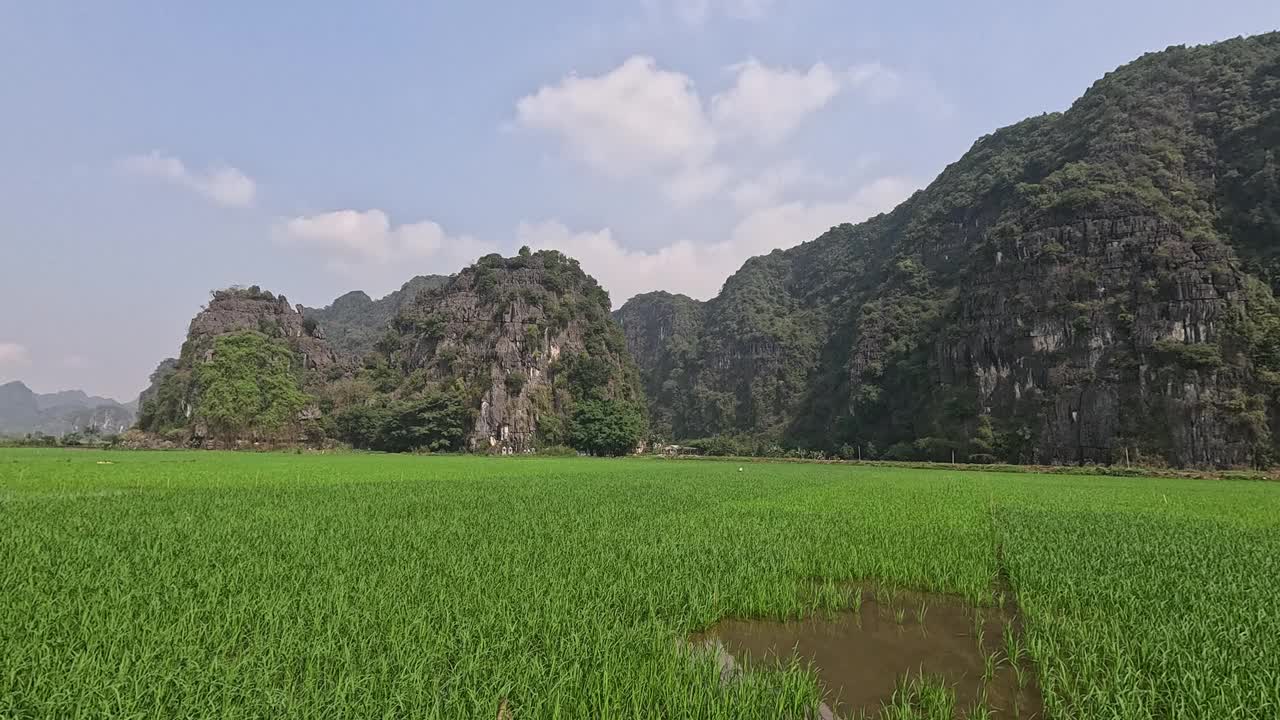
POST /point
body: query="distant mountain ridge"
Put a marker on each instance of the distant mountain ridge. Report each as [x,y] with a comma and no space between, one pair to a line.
[23,411]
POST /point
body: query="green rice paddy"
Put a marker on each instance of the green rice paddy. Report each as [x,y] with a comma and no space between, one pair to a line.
[179,584]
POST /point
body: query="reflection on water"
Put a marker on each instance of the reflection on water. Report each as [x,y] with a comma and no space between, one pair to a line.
[863,656]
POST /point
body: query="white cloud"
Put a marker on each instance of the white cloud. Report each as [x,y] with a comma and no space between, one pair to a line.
[766,104]
[641,121]
[633,120]
[877,82]
[679,267]
[75,362]
[700,270]
[366,245]
[222,184]
[791,223]
[13,355]
[692,184]
[766,187]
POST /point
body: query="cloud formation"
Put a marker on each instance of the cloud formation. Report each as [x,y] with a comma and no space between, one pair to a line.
[766,104]
[366,245]
[642,121]
[221,184]
[699,270]
[13,355]
[632,120]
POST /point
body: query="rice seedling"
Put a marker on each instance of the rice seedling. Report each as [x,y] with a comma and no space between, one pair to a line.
[195,584]
[990,661]
[1014,650]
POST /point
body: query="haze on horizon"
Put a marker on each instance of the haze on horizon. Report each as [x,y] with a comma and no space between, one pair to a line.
[155,153]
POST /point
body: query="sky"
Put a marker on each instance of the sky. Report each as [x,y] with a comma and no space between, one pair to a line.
[154,151]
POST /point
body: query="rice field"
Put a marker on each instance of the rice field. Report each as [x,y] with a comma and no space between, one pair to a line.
[163,585]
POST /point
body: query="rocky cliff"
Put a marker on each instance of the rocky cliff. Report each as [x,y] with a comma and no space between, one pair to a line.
[662,332]
[354,322]
[523,341]
[509,355]
[1087,286]
[175,399]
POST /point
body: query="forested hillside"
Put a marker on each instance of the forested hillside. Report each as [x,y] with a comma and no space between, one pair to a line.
[1082,286]
[354,322]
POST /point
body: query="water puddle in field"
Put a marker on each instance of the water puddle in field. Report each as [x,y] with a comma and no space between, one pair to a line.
[888,645]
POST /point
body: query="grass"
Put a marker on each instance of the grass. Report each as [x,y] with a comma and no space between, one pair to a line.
[240,585]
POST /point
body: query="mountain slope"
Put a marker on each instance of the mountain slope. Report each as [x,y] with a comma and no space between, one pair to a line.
[353,323]
[23,411]
[509,355]
[1077,287]
[242,372]
[526,347]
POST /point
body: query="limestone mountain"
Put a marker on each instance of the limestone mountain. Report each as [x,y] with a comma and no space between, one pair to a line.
[526,346]
[193,392]
[508,355]
[354,322]
[662,332]
[25,412]
[1080,286]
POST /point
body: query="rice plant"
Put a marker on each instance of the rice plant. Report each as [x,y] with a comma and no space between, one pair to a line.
[198,584]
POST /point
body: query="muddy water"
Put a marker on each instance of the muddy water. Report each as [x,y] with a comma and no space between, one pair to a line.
[862,656]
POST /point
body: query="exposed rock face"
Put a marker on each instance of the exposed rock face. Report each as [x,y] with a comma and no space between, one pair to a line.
[162,371]
[353,323]
[526,336]
[236,310]
[1079,287]
[170,403]
[25,412]
[662,332]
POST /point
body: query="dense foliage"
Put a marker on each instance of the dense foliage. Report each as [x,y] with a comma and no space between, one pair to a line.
[607,427]
[248,388]
[266,585]
[437,421]
[354,323]
[243,386]
[523,349]
[1046,298]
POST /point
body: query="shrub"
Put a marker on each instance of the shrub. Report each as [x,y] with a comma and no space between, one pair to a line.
[607,427]
[1192,356]
[515,382]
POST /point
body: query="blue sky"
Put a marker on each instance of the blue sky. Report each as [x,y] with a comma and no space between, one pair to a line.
[154,151]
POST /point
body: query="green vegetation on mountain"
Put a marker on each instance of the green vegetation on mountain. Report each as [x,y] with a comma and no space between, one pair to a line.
[1082,286]
[509,355]
[354,322]
[248,386]
[245,373]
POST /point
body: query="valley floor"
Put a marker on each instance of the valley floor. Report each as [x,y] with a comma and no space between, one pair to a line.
[192,584]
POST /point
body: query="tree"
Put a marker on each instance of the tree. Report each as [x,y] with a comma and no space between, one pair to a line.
[436,421]
[248,388]
[607,427]
[362,426]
